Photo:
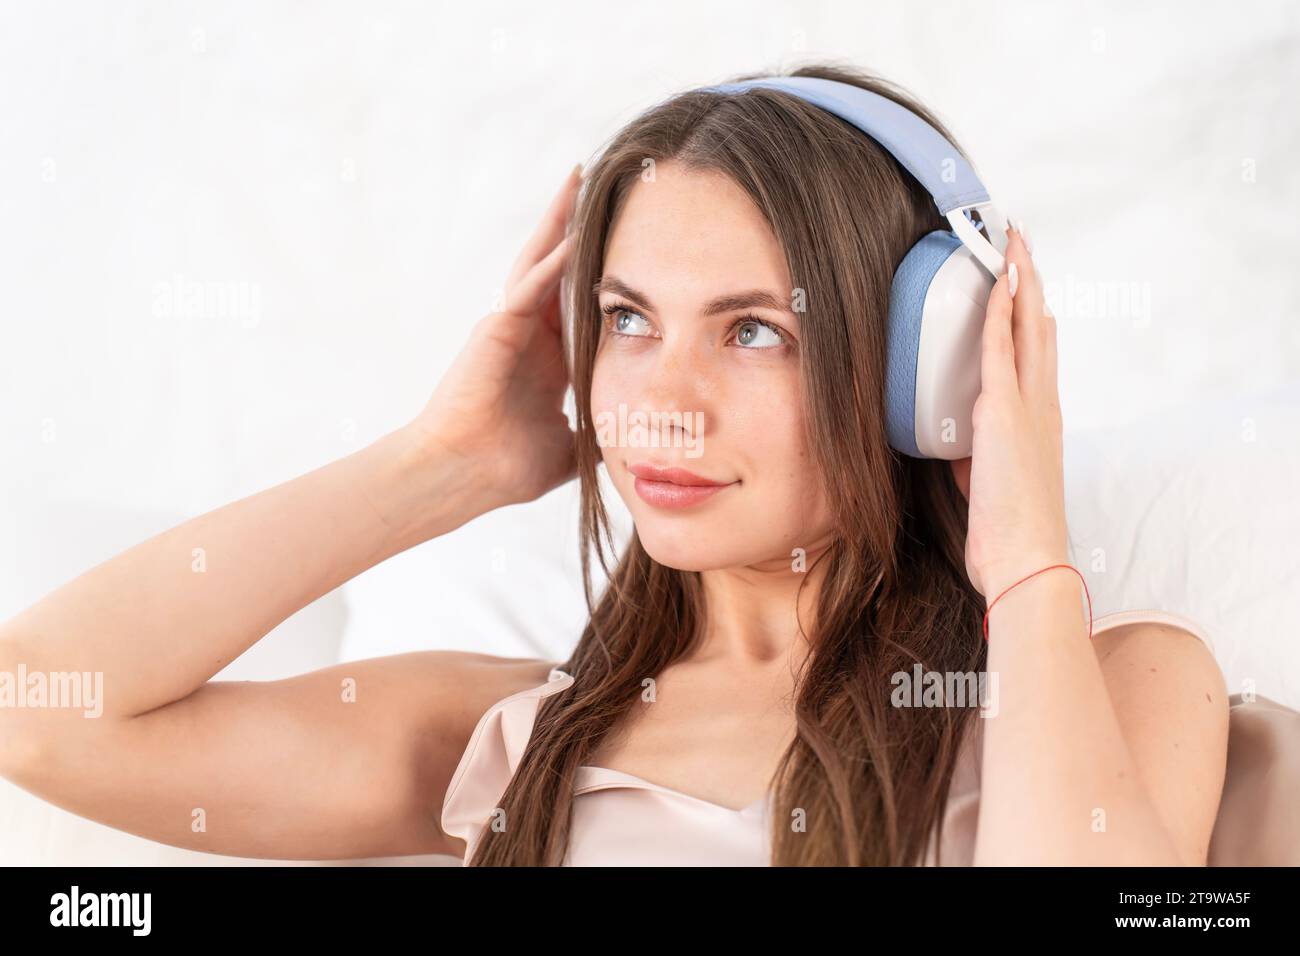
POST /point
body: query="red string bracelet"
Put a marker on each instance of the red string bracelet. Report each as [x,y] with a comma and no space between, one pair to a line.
[1026,578]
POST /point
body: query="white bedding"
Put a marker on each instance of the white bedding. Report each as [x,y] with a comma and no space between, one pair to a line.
[1194,510]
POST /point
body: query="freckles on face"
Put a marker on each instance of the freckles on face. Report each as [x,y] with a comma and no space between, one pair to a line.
[722,369]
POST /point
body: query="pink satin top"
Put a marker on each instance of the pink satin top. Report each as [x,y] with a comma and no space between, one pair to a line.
[622,819]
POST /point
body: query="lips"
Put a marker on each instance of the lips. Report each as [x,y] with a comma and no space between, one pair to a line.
[674,487]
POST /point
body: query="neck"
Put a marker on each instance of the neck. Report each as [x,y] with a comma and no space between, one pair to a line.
[753,613]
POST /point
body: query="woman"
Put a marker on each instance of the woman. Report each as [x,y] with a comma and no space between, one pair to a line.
[732,698]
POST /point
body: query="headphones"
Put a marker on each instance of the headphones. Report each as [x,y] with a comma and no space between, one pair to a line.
[940,289]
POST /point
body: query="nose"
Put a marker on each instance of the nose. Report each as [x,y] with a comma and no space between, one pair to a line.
[679,386]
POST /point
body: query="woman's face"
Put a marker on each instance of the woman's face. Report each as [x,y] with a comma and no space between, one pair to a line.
[699,356]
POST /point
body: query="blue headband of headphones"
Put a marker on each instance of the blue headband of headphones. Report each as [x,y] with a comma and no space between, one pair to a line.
[921,149]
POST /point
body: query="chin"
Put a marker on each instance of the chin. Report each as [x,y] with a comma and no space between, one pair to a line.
[709,542]
[688,549]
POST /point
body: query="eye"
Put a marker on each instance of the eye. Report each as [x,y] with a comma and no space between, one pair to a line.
[753,333]
[624,321]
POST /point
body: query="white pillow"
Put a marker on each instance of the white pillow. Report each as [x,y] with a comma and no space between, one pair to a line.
[1194,511]
[508,583]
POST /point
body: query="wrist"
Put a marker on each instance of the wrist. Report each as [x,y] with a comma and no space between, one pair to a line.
[1035,599]
[996,579]
[423,489]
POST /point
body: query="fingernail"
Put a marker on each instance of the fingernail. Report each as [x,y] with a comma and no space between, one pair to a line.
[577,171]
[1013,277]
[1018,225]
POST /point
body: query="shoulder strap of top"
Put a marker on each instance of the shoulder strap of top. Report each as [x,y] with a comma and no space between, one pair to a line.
[1118,618]
[489,761]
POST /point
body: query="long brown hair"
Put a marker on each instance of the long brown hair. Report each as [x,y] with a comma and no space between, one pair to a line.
[868,781]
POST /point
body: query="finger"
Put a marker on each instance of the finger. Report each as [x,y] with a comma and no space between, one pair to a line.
[1050,384]
[1052,354]
[1036,353]
[530,293]
[997,346]
[1029,325]
[1034,331]
[550,230]
[551,308]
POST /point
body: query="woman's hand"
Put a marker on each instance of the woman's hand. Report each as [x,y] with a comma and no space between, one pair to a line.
[1014,479]
[499,409]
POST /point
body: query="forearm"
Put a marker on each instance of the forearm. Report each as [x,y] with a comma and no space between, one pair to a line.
[1058,783]
[160,619]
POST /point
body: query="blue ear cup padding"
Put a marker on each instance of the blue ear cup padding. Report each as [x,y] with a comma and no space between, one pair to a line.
[907,295]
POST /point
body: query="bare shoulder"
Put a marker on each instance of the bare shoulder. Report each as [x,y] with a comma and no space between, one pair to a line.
[430,702]
[1171,700]
[457,686]
[474,682]
[1161,671]
[1143,650]
[424,703]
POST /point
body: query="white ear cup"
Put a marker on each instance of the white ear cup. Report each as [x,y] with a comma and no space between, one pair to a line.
[935,326]
[948,356]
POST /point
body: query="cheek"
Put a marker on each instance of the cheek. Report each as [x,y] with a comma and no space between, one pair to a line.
[770,427]
[764,425]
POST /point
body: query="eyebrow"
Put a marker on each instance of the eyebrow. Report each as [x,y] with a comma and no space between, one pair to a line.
[732,302]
